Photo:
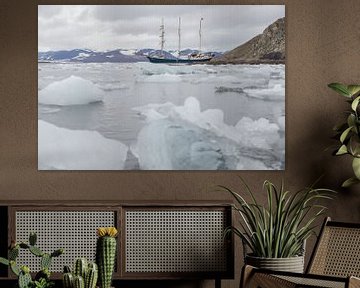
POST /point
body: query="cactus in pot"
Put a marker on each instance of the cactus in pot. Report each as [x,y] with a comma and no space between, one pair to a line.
[106,254]
[85,275]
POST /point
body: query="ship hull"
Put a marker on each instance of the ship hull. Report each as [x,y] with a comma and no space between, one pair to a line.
[186,61]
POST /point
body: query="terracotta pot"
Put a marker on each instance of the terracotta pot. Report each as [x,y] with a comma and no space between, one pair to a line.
[291,264]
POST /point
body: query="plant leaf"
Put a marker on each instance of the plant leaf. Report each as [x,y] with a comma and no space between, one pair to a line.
[351,120]
[349,182]
[342,150]
[4,261]
[345,134]
[356,167]
[340,88]
[355,103]
[353,89]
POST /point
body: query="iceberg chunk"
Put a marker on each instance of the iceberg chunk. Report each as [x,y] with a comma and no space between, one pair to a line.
[184,137]
[64,149]
[70,91]
[164,145]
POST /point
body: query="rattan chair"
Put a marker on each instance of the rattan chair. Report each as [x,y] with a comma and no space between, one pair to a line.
[334,263]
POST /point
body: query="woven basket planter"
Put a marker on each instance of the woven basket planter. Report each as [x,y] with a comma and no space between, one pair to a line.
[291,264]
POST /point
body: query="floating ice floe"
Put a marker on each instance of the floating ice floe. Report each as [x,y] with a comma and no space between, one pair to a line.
[163,78]
[217,79]
[184,137]
[112,86]
[64,149]
[163,145]
[70,91]
[274,93]
[223,89]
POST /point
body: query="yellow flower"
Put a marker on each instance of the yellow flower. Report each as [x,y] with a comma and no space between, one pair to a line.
[106,231]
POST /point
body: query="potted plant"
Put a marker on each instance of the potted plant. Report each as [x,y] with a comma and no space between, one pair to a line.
[348,132]
[42,278]
[276,233]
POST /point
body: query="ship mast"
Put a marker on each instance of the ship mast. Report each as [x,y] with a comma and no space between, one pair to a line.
[162,36]
[200,35]
[179,33]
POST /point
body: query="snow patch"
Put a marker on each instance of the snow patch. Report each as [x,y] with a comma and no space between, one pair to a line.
[64,149]
[81,56]
[70,91]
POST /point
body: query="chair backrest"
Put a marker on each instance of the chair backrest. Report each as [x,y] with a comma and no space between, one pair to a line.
[337,251]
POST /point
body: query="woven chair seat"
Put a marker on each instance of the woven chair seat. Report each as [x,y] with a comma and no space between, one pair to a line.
[335,262]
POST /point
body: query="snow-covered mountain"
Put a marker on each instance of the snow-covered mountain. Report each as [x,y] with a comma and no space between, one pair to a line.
[89,56]
[118,55]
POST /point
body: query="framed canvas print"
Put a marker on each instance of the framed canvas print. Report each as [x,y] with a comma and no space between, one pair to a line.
[161,87]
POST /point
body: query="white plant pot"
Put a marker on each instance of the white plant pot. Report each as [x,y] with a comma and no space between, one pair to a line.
[291,264]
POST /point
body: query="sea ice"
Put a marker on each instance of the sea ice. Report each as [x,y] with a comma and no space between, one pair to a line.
[112,86]
[163,78]
[161,69]
[64,149]
[275,93]
[73,90]
[184,137]
[164,145]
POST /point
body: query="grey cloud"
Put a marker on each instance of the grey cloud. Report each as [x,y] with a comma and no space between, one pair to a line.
[108,27]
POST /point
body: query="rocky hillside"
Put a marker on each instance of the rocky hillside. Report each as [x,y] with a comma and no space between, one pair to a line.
[268,47]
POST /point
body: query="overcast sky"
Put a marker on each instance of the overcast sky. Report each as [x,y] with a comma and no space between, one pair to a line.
[108,27]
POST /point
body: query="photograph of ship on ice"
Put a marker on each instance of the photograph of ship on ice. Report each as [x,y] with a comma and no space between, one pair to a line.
[157,87]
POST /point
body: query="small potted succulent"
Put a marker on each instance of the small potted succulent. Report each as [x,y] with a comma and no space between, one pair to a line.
[348,132]
[275,233]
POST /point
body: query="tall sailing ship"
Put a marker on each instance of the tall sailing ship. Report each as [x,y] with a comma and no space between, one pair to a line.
[192,58]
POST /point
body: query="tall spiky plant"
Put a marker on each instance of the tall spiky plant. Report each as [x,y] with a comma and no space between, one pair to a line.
[106,254]
[279,229]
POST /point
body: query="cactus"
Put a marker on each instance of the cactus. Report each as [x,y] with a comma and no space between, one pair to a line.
[24,277]
[32,238]
[68,280]
[24,245]
[57,253]
[13,253]
[45,261]
[44,273]
[36,251]
[42,278]
[14,268]
[91,276]
[4,261]
[87,272]
[24,280]
[105,254]
[67,269]
[80,267]
[79,282]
